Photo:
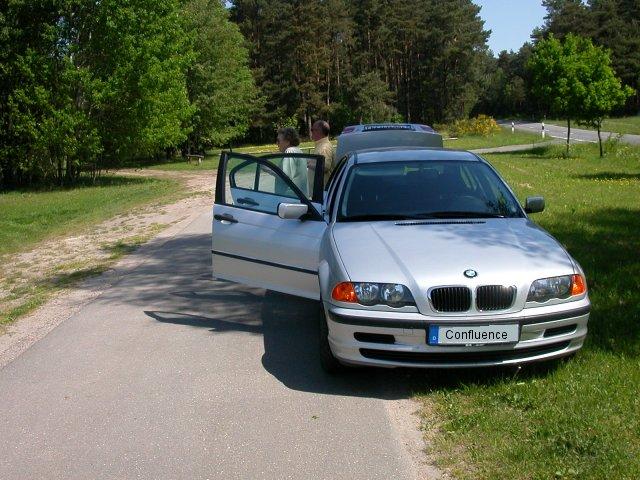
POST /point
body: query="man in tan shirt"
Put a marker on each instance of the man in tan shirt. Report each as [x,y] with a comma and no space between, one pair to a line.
[320,135]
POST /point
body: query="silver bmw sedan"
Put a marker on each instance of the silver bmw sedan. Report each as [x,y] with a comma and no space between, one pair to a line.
[417,256]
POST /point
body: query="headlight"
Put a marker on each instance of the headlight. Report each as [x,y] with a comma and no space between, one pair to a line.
[367,293]
[394,294]
[556,287]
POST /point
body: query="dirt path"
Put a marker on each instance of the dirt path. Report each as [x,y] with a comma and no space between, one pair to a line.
[55,278]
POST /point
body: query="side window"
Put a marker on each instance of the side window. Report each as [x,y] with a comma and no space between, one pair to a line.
[256,186]
[261,183]
[244,175]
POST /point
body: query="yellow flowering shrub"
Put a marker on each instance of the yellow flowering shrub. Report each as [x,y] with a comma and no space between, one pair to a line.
[482,125]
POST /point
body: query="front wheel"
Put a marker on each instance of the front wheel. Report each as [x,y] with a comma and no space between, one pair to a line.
[328,362]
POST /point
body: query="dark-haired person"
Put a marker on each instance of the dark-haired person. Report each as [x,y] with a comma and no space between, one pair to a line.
[295,168]
[320,135]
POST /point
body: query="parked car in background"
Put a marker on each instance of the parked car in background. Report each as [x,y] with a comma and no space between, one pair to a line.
[418,255]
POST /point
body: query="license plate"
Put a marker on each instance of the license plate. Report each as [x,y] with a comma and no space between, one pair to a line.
[473,335]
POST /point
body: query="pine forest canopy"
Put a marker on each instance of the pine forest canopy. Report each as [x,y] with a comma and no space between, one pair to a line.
[364,60]
[425,61]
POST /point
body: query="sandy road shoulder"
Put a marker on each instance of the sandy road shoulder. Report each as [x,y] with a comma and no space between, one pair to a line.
[79,256]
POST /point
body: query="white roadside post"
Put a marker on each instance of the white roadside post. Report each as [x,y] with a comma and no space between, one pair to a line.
[543,130]
[513,127]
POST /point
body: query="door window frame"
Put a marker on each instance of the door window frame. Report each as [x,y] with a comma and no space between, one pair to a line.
[313,214]
[336,178]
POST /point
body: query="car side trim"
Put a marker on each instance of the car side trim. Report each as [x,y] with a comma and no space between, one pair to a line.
[264,262]
[376,322]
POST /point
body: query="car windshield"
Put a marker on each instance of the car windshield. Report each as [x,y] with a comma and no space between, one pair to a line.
[403,190]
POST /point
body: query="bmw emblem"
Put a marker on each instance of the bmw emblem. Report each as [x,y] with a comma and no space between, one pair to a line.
[470,273]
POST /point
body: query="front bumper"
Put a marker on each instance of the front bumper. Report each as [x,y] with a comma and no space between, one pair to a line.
[390,339]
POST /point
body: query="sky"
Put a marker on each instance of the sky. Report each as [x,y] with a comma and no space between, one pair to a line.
[510,21]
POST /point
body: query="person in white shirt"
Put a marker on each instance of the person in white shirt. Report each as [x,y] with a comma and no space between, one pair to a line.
[295,168]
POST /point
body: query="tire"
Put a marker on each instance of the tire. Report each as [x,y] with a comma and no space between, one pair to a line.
[328,362]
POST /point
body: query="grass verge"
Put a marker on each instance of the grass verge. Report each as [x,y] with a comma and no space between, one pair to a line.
[505,137]
[28,217]
[31,217]
[580,418]
[210,161]
[626,125]
[30,295]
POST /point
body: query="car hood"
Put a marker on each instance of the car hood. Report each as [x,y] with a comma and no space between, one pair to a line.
[431,253]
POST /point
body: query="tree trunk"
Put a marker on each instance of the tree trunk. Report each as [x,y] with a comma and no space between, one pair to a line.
[568,133]
[69,171]
[600,138]
[60,170]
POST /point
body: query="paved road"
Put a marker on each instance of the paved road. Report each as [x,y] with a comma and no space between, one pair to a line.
[169,374]
[577,134]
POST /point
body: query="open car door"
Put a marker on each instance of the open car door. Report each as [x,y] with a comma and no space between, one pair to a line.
[268,224]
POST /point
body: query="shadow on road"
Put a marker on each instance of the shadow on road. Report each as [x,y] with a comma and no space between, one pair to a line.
[288,326]
[173,286]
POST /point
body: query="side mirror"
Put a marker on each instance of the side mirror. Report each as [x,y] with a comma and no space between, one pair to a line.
[534,204]
[292,211]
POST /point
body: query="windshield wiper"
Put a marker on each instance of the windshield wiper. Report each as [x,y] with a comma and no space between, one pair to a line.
[458,214]
[376,216]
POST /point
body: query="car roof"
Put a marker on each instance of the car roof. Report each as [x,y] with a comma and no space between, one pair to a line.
[392,154]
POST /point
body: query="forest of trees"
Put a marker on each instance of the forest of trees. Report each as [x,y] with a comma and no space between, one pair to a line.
[612,24]
[419,60]
[86,85]
[364,60]
[90,84]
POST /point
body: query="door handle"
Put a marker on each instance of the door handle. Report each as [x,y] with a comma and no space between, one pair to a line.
[225,218]
[248,201]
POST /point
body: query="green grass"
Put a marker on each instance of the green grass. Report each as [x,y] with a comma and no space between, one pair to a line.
[210,163]
[630,125]
[580,418]
[29,217]
[505,137]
